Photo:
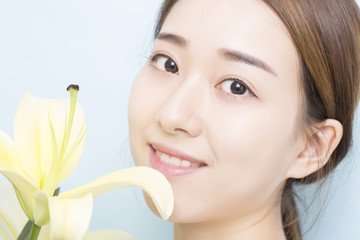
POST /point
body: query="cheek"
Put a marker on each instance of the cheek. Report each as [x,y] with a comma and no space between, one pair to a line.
[140,100]
[147,95]
[140,114]
[256,149]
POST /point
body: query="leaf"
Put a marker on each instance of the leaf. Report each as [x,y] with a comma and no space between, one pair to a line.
[25,234]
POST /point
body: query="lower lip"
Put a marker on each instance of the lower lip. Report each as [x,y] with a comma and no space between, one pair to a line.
[170,170]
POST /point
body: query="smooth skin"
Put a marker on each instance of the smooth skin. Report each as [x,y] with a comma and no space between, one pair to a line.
[223,86]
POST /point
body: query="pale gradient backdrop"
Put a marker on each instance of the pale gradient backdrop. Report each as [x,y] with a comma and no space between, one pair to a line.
[100,45]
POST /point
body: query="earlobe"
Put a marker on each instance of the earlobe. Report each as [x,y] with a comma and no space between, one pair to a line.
[317,149]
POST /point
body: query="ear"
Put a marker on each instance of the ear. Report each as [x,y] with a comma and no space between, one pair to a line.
[317,149]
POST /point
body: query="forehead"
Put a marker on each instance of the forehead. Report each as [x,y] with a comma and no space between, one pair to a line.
[243,25]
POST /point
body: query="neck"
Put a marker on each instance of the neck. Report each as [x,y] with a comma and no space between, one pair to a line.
[262,226]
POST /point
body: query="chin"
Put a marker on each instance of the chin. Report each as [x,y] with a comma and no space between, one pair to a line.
[176,217]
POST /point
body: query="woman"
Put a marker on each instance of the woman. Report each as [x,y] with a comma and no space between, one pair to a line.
[239,100]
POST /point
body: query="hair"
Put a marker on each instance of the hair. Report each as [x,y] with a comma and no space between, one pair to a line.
[327,38]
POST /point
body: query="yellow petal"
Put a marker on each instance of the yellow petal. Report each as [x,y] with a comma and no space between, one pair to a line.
[39,132]
[108,234]
[24,190]
[45,232]
[59,109]
[31,132]
[12,217]
[70,218]
[41,210]
[8,157]
[150,180]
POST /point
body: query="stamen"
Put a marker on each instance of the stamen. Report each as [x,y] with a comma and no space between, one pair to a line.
[73,86]
[60,161]
[73,89]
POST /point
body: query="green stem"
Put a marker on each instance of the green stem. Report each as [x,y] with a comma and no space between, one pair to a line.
[35,231]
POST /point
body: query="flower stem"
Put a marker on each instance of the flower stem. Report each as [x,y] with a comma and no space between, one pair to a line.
[35,231]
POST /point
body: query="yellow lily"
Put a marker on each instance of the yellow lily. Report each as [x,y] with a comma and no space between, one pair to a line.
[49,137]
[13,219]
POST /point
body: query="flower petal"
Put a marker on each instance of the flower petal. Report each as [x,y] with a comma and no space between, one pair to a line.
[24,190]
[108,234]
[150,180]
[58,110]
[10,227]
[70,218]
[96,235]
[41,210]
[8,157]
[39,133]
[31,132]
[45,232]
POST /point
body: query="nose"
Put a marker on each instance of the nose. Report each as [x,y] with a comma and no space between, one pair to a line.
[183,110]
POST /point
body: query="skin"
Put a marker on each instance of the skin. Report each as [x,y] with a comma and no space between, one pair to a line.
[250,142]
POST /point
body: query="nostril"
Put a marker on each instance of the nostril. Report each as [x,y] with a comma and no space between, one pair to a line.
[176,120]
[180,130]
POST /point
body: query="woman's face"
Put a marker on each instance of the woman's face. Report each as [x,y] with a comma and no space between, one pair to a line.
[217,107]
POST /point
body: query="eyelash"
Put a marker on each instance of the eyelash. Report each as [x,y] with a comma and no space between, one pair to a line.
[248,91]
[154,55]
[153,58]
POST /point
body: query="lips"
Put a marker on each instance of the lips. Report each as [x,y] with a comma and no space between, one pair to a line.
[172,163]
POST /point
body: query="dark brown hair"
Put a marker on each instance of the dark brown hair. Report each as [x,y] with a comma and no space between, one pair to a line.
[326,34]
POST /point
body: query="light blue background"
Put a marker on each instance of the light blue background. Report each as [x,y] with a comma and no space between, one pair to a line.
[100,45]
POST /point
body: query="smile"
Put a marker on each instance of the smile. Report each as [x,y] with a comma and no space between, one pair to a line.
[172,163]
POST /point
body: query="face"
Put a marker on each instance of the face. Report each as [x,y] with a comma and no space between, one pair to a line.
[216,108]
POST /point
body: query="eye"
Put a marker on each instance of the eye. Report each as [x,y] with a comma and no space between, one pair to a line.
[235,87]
[165,63]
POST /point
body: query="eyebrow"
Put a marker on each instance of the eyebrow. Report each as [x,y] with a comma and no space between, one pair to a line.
[228,54]
[246,58]
[175,39]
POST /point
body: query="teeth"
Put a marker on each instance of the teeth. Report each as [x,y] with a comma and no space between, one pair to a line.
[165,158]
[174,161]
[185,163]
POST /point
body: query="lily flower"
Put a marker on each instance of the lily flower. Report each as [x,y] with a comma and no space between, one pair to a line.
[13,219]
[49,137]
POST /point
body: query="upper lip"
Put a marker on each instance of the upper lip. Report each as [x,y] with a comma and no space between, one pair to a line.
[176,153]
